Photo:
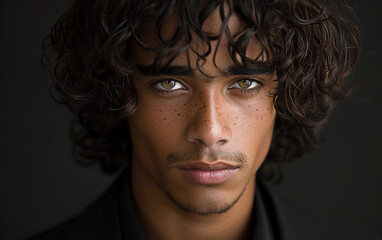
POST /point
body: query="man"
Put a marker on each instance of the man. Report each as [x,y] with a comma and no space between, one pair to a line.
[195,96]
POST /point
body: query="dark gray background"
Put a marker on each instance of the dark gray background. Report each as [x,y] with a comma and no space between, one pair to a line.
[40,184]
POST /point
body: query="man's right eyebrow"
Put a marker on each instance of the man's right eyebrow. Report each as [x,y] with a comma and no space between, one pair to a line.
[263,69]
[167,71]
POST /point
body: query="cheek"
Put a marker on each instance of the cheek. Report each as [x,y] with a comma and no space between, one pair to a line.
[253,127]
[155,126]
[255,118]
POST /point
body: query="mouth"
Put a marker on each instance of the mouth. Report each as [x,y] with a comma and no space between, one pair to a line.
[208,174]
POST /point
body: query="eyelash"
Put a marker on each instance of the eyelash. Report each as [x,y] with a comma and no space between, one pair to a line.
[167,92]
[170,92]
[250,91]
[247,91]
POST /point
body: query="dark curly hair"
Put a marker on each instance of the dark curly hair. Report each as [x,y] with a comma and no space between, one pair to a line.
[313,47]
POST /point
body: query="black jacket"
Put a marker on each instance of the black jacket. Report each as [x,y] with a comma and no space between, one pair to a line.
[112,217]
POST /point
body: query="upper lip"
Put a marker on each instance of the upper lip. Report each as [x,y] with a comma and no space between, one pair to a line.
[207,166]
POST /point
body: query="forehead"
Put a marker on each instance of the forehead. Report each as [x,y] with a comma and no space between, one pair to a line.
[158,42]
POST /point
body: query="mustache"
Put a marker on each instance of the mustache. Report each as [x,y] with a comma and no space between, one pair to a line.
[209,155]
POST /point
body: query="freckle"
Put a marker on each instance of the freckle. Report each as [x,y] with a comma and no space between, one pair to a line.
[178,114]
[160,110]
[204,106]
[196,104]
[205,120]
[234,124]
[164,119]
[249,106]
[174,110]
[257,109]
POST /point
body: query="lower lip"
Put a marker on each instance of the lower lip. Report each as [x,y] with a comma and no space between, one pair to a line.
[207,177]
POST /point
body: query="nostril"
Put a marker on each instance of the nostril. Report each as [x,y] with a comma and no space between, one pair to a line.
[221,142]
[206,142]
[197,141]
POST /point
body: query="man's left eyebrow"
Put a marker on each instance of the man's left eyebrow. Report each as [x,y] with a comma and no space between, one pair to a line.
[265,69]
[167,71]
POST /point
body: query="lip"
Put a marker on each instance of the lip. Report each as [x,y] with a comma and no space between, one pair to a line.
[208,174]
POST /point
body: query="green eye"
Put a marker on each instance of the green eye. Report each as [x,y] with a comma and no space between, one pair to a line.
[244,83]
[168,84]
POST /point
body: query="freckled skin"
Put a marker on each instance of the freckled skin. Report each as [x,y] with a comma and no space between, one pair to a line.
[207,115]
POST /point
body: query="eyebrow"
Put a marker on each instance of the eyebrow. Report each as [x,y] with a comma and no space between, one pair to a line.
[168,71]
[263,69]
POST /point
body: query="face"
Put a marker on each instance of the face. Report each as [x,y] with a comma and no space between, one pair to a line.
[199,140]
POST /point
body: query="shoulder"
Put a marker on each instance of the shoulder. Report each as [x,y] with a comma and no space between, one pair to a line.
[99,221]
[296,223]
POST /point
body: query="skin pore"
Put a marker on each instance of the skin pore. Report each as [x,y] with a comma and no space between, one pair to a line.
[183,119]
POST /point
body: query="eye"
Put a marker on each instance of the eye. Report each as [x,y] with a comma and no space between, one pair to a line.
[245,84]
[169,85]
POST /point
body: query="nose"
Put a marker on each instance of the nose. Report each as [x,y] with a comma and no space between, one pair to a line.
[209,124]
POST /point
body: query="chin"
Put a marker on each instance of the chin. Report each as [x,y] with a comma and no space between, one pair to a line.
[209,201]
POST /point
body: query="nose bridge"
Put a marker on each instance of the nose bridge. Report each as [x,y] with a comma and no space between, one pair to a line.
[210,105]
[210,124]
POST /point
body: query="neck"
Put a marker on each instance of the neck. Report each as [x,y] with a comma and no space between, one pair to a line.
[162,219]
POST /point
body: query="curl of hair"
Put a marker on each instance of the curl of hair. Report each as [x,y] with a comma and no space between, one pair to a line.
[87,58]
